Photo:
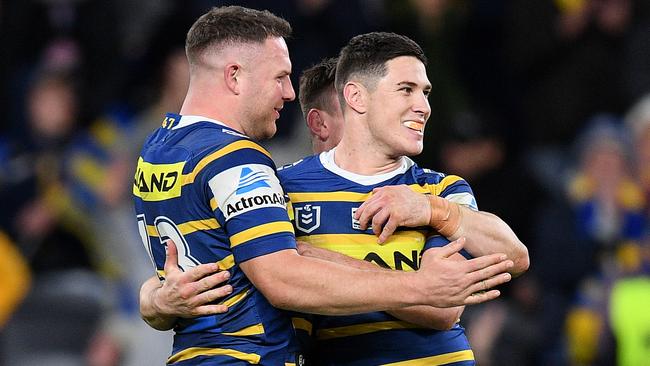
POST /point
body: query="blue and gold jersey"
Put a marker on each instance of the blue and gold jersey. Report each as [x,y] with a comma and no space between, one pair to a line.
[323,199]
[214,192]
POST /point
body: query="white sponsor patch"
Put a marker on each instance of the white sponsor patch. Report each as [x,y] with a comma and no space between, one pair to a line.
[245,188]
[355,223]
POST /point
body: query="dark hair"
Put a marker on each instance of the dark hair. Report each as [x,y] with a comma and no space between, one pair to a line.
[315,82]
[365,56]
[232,24]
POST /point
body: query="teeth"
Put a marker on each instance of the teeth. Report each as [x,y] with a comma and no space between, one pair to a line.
[416,126]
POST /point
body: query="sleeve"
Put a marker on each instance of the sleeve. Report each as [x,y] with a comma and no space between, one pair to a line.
[457,190]
[437,241]
[249,196]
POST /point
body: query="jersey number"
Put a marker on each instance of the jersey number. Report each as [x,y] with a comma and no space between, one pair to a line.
[166,229]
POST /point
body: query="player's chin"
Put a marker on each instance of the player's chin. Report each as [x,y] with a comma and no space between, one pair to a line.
[269,131]
[414,149]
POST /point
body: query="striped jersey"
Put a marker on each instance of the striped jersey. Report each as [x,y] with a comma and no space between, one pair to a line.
[214,192]
[323,199]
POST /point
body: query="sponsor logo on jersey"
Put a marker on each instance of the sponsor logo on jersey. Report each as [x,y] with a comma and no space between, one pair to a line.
[307,218]
[250,202]
[401,260]
[355,223]
[157,182]
[250,180]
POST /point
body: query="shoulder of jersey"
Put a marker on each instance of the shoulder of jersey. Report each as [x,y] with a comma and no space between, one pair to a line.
[304,165]
[216,138]
[428,175]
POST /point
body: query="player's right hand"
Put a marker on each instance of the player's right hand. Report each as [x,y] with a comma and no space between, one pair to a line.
[191,293]
[452,283]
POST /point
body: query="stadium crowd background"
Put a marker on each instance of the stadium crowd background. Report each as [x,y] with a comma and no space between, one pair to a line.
[542,105]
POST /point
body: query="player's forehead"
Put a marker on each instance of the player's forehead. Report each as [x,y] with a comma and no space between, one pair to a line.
[406,69]
[273,56]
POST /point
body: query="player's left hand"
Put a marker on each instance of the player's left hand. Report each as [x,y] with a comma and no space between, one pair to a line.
[393,206]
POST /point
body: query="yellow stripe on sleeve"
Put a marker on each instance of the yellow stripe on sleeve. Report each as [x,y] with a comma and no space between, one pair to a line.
[444,183]
[255,329]
[259,231]
[192,352]
[237,145]
[444,359]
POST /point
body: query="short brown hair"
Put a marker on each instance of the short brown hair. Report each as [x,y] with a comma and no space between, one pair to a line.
[232,24]
[314,83]
[366,56]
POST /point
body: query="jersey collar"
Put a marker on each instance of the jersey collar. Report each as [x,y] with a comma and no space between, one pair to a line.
[327,159]
[184,121]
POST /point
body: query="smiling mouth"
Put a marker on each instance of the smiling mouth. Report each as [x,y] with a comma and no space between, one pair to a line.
[414,125]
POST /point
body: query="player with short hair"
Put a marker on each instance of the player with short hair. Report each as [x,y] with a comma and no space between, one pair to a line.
[381,80]
[320,105]
[204,183]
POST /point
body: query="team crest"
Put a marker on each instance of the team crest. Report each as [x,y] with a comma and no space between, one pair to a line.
[308,218]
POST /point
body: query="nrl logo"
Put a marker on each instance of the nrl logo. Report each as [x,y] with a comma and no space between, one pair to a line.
[308,218]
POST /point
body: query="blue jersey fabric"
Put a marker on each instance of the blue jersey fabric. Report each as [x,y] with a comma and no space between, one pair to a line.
[215,193]
[323,199]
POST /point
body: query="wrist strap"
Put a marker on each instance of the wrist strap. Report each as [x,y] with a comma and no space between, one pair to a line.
[445,215]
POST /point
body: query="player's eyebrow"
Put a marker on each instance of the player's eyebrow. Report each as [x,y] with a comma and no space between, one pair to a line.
[412,84]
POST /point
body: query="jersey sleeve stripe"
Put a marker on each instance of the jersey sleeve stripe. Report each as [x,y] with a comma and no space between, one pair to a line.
[443,184]
[192,352]
[444,359]
[259,231]
[255,329]
[358,329]
[302,324]
[237,145]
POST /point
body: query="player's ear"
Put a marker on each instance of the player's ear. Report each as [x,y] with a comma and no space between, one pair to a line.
[316,124]
[355,96]
[230,74]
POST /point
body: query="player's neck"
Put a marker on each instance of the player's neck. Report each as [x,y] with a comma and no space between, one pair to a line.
[197,103]
[364,158]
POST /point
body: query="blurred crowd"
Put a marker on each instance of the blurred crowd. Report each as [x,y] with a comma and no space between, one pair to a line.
[543,106]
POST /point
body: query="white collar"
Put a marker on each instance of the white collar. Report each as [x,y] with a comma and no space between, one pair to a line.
[188,120]
[327,159]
